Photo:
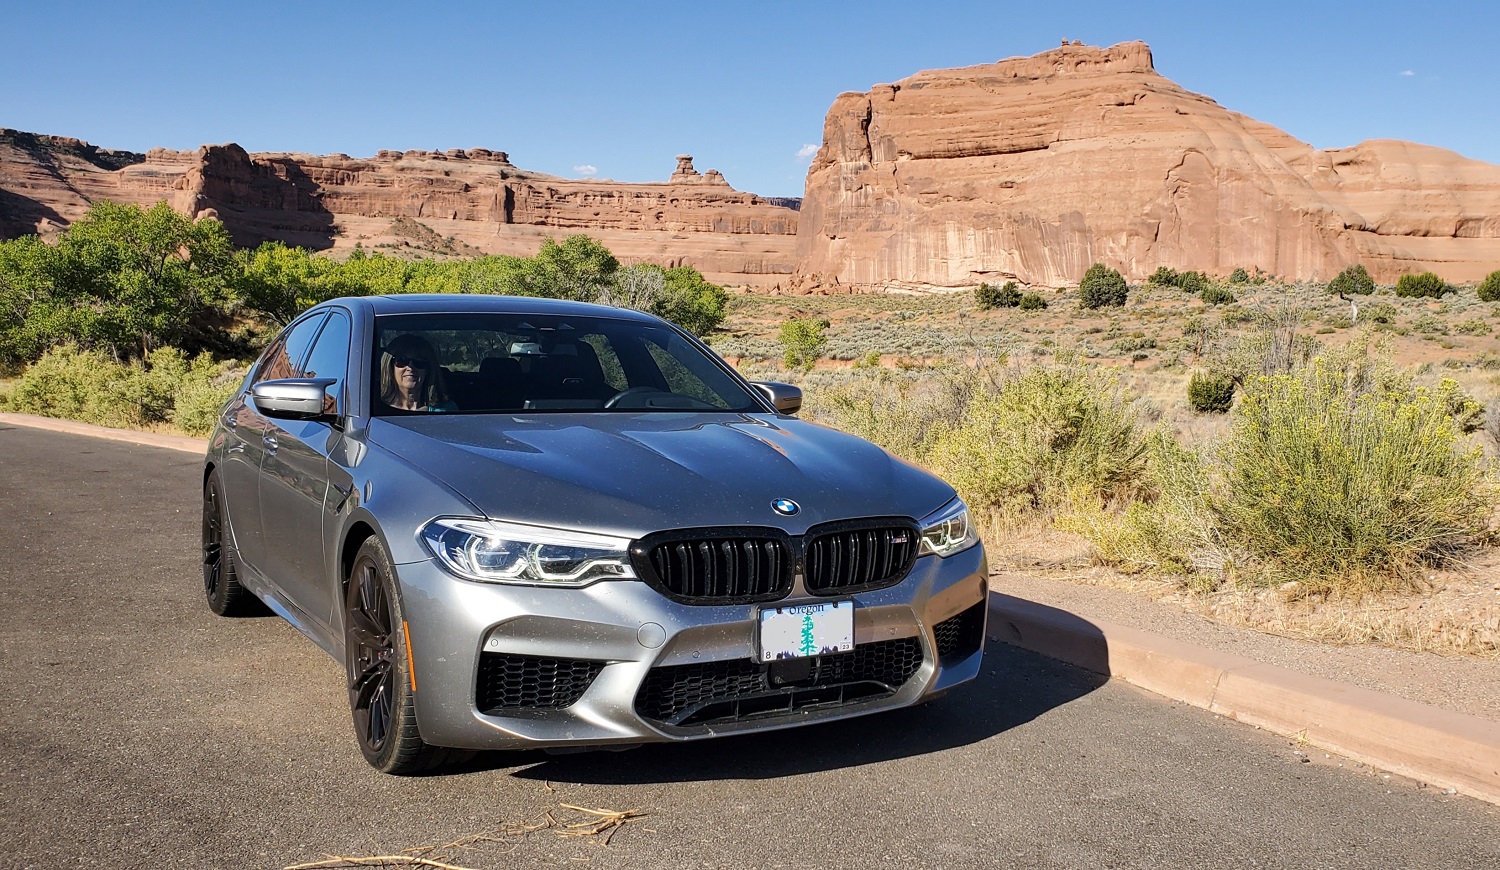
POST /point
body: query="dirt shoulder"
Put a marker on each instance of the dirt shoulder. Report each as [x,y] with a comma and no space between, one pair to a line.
[1461,683]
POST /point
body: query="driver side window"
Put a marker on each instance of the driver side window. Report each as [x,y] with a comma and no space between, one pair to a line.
[288,349]
[330,359]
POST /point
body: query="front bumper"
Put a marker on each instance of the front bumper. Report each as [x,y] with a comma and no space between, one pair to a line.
[612,649]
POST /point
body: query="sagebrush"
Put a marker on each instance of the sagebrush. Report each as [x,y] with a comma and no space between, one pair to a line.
[1349,482]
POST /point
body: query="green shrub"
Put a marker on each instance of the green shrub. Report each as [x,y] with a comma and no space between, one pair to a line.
[1210,392]
[1234,315]
[1193,282]
[1429,324]
[92,387]
[1031,302]
[1383,312]
[1353,281]
[201,393]
[123,278]
[1133,343]
[989,296]
[1170,528]
[1476,326]
[1422,284]
[1048,436]
[1489,288]
[1273,346]
[902,411]
[89,386]
[1214,294]
[690,301]
[1102,287]
[802,342]
[1467,414]
[1163,277]
[1349,488]
[1239,276]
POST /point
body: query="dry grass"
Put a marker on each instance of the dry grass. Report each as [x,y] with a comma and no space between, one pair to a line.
[566,820]
[1459,617]
[1456,613]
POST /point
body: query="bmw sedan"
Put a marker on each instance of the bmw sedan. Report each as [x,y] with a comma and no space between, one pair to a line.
[526,523]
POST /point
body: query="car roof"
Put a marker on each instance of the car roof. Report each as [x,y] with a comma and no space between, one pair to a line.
[474,303]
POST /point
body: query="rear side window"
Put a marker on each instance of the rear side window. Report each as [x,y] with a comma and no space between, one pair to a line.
[288,349]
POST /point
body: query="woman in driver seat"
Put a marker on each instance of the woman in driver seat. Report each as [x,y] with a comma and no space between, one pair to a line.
[410,379]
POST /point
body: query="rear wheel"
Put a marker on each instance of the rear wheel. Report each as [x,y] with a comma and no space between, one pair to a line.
[221,585]
[381,693]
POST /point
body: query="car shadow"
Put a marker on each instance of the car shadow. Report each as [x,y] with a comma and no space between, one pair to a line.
[1014,687]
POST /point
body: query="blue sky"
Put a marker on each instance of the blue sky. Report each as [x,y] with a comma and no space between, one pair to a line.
[617,89]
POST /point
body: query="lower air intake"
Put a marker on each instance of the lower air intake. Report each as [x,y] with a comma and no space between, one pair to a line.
[743,689]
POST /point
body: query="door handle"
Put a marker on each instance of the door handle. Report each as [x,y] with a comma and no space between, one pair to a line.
[270,442]
[231,422]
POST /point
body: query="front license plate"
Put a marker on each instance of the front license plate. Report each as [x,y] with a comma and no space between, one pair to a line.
[802,630]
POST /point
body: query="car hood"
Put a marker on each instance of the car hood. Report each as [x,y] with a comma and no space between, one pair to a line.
[632,474]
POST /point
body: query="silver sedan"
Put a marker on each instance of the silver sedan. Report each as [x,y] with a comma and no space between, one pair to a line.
[524,523]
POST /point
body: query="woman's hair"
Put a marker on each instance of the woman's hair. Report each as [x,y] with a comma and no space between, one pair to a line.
[432,394]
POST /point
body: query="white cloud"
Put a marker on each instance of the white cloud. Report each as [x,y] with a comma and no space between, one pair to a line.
[806,151]
[587,170]
[1408,72]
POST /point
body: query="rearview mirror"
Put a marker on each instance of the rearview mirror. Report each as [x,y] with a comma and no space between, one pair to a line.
[784,397]
[296,398]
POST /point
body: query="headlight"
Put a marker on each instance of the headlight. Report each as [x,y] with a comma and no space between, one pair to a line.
[948,531]
[510,553]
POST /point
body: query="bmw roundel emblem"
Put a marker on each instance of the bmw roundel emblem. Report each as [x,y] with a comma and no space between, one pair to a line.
[786,507]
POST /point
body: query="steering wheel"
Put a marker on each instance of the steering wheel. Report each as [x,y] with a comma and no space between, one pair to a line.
[614,401]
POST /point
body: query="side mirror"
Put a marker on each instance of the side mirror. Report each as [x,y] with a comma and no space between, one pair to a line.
[784,397]
[296,398]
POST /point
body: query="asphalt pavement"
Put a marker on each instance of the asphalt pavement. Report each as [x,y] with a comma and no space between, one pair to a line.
[140,730]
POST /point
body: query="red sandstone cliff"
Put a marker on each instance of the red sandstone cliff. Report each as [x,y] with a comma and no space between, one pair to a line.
[475,197]
[1031,168]
[1036,167]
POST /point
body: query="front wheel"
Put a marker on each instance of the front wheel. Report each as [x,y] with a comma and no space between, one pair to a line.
[382,696]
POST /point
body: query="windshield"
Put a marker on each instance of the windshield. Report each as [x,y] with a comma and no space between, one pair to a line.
[507,363]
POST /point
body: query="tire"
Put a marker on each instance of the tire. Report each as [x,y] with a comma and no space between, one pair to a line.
[221,582]
[381,697]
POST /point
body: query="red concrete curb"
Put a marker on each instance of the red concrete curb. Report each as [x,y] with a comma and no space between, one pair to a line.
[1440,747]
[149,439]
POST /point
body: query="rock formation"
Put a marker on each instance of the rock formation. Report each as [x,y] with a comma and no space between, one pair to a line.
[1034,168]
[1029,168]
[474,197]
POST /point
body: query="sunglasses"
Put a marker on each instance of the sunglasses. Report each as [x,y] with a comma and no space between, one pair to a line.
[408,362]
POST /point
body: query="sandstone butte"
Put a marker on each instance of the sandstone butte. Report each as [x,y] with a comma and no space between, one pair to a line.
[474,197]
[1034,168]
[1030,168]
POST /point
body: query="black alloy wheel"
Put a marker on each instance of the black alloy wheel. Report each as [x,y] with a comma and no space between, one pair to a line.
[381,695]
[221,585]
[370,646]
